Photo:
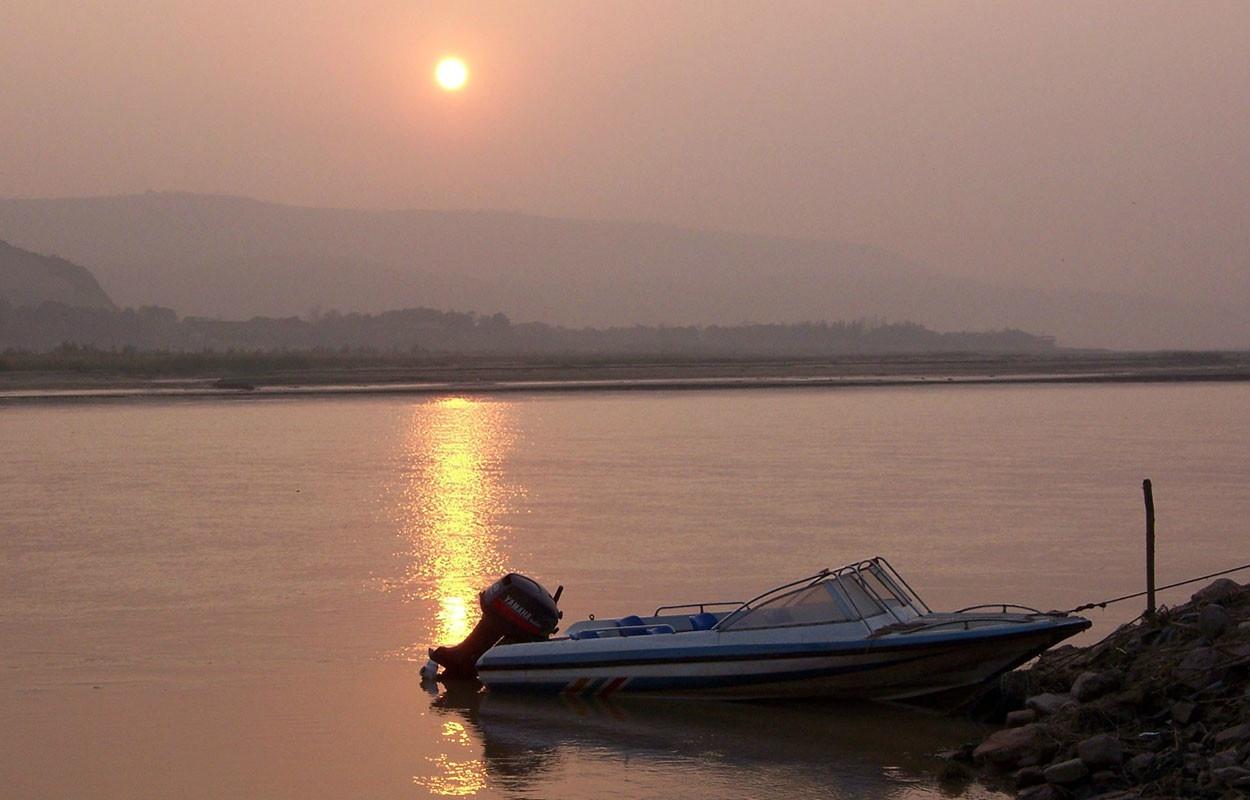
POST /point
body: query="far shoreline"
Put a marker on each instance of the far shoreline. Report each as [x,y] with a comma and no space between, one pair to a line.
[502,375]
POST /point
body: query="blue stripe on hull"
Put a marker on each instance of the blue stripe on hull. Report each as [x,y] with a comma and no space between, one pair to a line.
[697,682]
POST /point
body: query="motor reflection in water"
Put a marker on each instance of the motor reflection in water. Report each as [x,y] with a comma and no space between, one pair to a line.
[454,493]
[715,748]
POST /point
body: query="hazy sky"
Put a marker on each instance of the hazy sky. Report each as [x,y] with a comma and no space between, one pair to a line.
[1085,144]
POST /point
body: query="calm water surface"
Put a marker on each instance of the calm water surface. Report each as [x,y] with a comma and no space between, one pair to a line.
[231,598]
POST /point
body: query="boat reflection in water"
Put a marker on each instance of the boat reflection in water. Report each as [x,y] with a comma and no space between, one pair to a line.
[579,747]
[453,496]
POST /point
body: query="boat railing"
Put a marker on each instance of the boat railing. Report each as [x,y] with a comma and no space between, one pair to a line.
[893,575]
[1003,606]
[701,606]
[966,624]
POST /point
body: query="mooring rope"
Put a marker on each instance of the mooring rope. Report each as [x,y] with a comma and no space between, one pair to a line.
[1105,603]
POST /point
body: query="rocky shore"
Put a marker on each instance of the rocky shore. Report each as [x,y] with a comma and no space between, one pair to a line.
[1158,709]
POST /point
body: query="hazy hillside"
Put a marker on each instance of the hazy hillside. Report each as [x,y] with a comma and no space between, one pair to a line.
[427,331]
[28,279]
[233,257]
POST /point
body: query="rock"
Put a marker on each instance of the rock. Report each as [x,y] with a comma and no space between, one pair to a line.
[1185,712]
[1141,766]
[1016,685]
[1049,703]
[1236,650]
[1035,758]
[961,753]
[1006,748]
[1213,620]
[1228,775]
[1244,626]
[1231,736]
[1197,669]
[955,774]
[1102,750]
[1091,685]
[1029,776]
[1224,758]
[1103,777]
[1193,763]
[1066,772]
[1220,591]
[1022,717]
[1042,791]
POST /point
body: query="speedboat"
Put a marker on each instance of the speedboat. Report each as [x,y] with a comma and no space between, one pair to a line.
[858,632]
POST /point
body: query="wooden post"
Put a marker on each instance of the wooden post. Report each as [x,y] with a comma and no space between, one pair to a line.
[1150,546]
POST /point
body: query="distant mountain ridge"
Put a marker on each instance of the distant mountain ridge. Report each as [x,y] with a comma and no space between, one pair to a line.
[234,257]
[30,279]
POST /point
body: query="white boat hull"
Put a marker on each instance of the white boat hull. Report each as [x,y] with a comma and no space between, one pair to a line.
[892,667]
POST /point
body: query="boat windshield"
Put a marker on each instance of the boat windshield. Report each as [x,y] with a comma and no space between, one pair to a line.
[851,594]
[833,600]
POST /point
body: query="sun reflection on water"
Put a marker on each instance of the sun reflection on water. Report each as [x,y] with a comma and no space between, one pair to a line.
[452,500]
[452,776]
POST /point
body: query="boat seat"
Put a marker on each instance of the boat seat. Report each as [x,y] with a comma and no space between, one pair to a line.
[703,621]
[584,635]
[632,626]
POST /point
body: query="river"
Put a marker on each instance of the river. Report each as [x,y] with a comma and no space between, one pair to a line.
[231,598]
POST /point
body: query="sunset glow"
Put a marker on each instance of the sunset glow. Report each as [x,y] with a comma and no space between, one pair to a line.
[452,74]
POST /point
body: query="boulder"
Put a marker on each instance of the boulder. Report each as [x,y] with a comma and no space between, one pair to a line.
[1006,748]
[1066,772]
[1028,776]
[1185,712]
[1221,590]
[1227,776]
[1042,791]
[1022,717]
[1193,763]
[1141,766]
[1232,736]
[954,775]
[1016,685]
[1049,703]
[1103,777]
[1103,750]
[1213,620]
[1091,685]
[1224,758]
[1236,650]
[1197,669]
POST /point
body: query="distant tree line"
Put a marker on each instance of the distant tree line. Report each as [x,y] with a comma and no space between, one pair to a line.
[418,331]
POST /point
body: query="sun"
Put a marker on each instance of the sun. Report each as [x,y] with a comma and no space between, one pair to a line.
[451,74]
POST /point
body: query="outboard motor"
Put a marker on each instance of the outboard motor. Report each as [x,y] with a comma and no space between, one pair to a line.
[515,608]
